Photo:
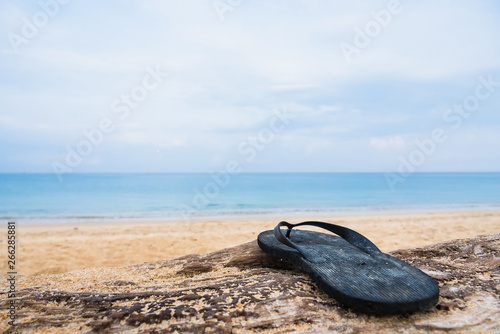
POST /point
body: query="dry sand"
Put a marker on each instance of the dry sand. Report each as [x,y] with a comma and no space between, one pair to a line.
[44,249]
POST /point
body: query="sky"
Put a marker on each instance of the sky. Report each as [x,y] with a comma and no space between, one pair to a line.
[271,86]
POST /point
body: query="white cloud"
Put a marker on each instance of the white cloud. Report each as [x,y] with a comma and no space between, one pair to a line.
[382,143]
[228,76]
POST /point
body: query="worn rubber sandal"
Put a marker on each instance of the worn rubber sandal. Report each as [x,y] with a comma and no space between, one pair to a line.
[351,269]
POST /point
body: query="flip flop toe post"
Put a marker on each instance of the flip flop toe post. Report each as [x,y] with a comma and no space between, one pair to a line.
[351,269]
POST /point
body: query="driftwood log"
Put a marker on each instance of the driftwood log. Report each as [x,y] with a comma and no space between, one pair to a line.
[241,290]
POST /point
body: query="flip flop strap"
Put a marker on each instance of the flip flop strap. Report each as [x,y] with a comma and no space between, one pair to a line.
[353,237]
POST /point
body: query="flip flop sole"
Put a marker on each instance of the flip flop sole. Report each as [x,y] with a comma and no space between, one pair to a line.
[370,284]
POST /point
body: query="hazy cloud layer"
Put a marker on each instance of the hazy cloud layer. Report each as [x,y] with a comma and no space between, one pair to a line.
[359,111]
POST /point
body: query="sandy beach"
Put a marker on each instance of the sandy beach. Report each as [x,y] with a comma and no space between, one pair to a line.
[57,248]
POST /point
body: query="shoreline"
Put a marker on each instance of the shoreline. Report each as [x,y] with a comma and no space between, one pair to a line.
[62,247]
[56,221]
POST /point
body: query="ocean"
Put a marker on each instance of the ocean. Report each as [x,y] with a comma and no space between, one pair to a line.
[42,198]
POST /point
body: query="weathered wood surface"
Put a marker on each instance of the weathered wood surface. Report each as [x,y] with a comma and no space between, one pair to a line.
[241,290]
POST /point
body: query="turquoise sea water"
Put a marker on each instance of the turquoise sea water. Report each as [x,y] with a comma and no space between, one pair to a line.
[43,198]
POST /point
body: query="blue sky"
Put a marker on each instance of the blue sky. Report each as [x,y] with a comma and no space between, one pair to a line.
[229,67]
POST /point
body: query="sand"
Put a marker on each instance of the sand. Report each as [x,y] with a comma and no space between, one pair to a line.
[57,248]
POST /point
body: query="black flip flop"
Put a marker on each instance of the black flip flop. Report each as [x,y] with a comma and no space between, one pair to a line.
[352,269]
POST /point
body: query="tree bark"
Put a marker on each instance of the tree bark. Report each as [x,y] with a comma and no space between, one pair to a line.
[242,289]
